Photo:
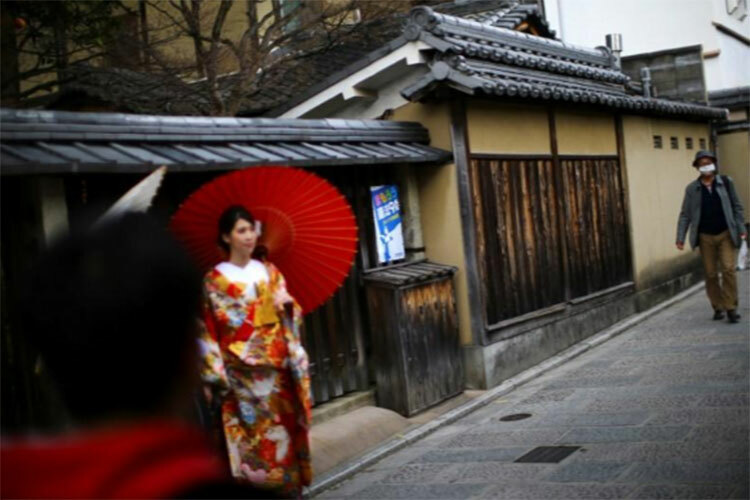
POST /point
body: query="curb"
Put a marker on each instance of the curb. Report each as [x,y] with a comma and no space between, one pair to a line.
[395,444]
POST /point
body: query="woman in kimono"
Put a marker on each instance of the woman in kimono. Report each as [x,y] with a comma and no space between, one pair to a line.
[254,363]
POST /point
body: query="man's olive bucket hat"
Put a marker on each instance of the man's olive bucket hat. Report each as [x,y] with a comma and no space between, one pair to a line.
[703,153]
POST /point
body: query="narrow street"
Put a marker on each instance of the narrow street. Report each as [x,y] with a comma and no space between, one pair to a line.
[659,412]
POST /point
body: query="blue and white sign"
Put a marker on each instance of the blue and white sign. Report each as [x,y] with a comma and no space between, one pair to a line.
[386,211]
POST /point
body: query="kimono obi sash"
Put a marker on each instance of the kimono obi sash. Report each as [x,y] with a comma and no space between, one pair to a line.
[251,330]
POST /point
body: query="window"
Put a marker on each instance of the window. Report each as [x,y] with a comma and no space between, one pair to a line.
[688,143]
[674,143]
[288,11]
[702,142]
[657,142]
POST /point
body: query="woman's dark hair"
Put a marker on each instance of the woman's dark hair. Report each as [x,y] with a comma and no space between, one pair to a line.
[228,219]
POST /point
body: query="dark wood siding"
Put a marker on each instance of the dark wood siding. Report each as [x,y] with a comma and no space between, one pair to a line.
[546,234]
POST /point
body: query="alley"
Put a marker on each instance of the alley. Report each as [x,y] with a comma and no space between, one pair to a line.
[659,412]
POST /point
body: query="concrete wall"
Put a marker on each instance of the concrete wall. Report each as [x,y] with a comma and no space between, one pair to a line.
[734,161]
[507,128]
[656,184]
[439,206]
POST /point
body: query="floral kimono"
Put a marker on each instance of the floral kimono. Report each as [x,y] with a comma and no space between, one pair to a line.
[254,361]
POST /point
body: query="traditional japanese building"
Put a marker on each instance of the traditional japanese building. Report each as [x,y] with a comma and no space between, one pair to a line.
[561,203]
[63,168]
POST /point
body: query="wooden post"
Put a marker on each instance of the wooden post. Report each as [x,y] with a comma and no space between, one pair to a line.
[460,142]
[562,202]
[620,135]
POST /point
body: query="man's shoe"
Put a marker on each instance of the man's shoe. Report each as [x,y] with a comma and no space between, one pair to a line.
[732,316]
[718,314]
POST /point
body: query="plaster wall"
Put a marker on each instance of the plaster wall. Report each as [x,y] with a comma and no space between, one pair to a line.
[656,185]
[439,205]
[507,128]
[585,133]
[734,160]
[733,55]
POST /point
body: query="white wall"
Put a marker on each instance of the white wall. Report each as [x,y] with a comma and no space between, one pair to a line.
[651,25]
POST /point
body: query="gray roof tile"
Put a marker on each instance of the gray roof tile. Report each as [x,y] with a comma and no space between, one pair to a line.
[48,142]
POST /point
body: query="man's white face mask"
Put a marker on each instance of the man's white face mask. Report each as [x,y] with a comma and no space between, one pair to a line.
[707,169]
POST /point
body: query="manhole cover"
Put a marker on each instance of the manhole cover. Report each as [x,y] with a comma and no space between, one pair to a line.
[547,454]
[515,416]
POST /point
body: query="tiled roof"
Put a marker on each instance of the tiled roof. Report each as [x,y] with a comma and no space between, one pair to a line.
[501,14]
[58,141]
[478,59]
[289,88]
[737,97]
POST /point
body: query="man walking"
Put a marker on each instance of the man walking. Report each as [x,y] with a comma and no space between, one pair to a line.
[713,212]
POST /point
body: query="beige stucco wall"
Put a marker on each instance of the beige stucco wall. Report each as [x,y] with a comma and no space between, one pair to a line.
[734,161]
[507,128]
[439,205]
[585,133]
[656,184]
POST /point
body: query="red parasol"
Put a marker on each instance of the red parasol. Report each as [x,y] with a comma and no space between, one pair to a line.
[308,227]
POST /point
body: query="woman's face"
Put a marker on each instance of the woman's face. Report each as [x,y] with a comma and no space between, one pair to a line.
[242,239]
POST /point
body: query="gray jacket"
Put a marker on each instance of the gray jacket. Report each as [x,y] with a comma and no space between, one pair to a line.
[690,215]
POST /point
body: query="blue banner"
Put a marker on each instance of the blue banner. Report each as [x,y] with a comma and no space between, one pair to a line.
[386,211]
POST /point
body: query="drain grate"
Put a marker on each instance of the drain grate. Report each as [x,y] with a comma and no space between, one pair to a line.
[515,416]
[547,454]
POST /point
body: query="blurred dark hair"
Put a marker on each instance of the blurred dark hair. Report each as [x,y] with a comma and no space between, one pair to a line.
[228,219]
[112,311]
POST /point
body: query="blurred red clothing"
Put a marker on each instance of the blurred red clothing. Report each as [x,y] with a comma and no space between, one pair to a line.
[158,459]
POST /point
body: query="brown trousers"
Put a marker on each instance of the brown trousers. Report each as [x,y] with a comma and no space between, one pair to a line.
[720,256]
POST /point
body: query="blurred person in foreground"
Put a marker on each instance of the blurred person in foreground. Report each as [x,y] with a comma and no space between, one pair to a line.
[254,365]
[112,312]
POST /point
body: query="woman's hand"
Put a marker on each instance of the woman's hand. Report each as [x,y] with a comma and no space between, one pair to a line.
[281,298]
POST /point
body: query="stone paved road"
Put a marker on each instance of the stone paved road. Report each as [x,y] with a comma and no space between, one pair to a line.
[659,412]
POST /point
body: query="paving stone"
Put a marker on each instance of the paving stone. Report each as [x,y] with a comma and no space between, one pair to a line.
[500,439]
[480,455]
[421,491]
[594,382]
[402,457]
[720,433]
[495,472]
[438,438]
[731,399]
[695,491]
[666,359]
[701,416]
[604,419]
[417,473]
[689,472]
[648,452]
[347,488]
[582,472]
[558,491]
[645,403]
[733,451]
[628,434]
[547,396]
